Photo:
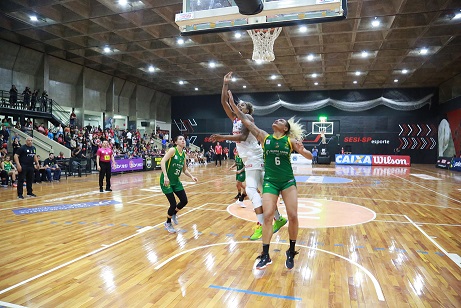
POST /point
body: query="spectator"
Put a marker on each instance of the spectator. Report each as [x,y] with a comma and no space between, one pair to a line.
[27,93]
[187,142]
[8,166]
[51,166]
[16,145]
[40,172]
[315,153]
[44,100]
[13,96]
[73,118]
[34,98]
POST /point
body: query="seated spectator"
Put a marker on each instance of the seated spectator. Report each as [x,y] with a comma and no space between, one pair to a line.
[8,166]
[51,165]
[40,173]
[3,175]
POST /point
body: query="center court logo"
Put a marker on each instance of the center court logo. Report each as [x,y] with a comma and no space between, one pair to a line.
[315,213]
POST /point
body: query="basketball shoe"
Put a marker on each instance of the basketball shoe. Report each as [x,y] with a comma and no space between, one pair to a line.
[169,227]
[174,219]
[264,261]
[279,223]
[258,233]
[290,262]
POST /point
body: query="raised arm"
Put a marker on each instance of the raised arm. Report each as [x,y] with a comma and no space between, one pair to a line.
[239,137]
[247,120]
[225,96]
[299,147]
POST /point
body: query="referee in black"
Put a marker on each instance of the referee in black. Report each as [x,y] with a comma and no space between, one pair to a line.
[26,160]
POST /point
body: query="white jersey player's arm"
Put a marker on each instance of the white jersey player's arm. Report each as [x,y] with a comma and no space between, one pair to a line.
[225,96]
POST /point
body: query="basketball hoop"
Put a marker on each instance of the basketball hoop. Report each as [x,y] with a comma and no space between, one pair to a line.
[263,41]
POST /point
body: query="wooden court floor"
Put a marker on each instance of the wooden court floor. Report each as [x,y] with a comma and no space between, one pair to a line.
[76,247]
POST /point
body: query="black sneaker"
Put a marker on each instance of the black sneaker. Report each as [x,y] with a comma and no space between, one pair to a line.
[101,190]
[21,197]
[108,189]
[238,196]
[264,261]
[31,195]
[290,262]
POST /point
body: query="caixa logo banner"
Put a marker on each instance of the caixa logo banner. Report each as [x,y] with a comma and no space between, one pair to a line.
[390,160]
[351,159]
[372,160]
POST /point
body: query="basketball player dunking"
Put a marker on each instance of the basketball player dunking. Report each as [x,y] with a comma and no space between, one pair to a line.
[251,154]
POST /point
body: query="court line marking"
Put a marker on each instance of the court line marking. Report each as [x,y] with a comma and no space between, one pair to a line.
[5,304]
[256,293]
[385,200]
[453,199]
[104,247]
[420,223]
[454,257]
[160,193]
[379,291]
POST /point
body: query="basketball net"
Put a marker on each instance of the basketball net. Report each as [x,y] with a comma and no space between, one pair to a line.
[263,41]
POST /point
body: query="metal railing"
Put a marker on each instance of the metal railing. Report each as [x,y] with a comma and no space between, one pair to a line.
[39,103]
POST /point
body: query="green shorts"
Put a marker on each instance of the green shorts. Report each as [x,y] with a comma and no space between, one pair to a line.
[240,177]
[171,188]
[275,188]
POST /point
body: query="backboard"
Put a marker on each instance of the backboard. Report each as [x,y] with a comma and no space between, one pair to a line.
[204,16]
[325,128]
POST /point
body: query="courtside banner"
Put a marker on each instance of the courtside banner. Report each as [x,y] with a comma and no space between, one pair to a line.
[456,164]
[353,159]
[128,165]
[391,160]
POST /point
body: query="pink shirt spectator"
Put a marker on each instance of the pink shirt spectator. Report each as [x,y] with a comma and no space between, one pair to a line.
[104,154]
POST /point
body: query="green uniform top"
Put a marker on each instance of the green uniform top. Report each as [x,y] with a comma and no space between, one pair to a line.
[239,163]
[277,163]
[7,165]
[174,167]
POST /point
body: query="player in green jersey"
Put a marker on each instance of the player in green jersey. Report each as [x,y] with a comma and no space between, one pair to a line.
[278,177]
[172,164]
[239,178]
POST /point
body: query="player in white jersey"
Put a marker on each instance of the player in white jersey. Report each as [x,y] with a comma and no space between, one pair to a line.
[252,156]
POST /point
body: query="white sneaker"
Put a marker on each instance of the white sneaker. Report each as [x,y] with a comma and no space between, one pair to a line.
[174,219]
[169,227]
[240,203]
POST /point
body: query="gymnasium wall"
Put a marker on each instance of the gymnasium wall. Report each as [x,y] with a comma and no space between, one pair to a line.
[375,131]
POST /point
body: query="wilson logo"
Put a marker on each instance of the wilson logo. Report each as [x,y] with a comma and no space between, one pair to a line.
[390,160]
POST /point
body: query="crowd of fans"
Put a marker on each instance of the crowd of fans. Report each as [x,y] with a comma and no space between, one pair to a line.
[85,141]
